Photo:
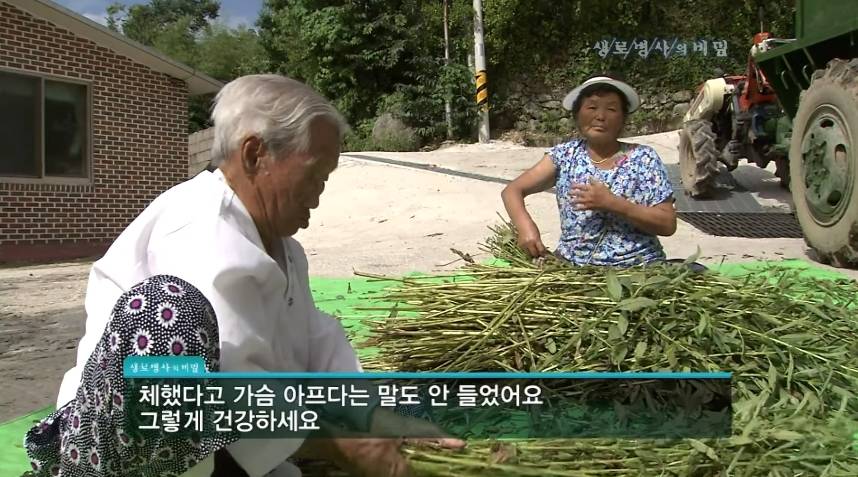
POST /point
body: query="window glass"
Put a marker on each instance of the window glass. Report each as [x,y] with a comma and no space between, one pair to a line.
[65,129]
[19,104]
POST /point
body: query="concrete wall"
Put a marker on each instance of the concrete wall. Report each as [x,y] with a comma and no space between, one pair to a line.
[199,147]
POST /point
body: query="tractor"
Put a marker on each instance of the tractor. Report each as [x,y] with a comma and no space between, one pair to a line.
[796,105]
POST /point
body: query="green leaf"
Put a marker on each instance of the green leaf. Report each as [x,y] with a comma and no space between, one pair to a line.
[552,347]
[670,354]
[640,350]
[697,296]
[702,324]
[656,280]
[615,290]
[635,304]
[798,338]
[816,311]
[704,449]
[693,258]
[614,333]
[790,369]
[784,435]
[619,353]
[773,377]
[740,440]
[622,324]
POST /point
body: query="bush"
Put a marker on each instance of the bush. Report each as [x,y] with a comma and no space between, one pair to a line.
[360,137]
[391,134]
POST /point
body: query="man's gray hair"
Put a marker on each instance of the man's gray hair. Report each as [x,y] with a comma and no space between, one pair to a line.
[277,109]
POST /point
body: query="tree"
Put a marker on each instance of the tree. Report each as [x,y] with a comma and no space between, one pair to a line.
[185,31]
[225,53]
[146,22]
[351,51]
[369,56]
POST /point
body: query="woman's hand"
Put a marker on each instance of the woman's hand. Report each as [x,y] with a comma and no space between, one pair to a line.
[538,178]
[530,240]
[593,196]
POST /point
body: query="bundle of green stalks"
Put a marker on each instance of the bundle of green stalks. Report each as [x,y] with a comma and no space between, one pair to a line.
[791,343]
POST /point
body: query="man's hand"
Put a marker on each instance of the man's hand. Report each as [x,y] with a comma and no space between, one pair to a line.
[593,196]
[388,423]
[381,457]
[372,457]
[364,456]
[357,454]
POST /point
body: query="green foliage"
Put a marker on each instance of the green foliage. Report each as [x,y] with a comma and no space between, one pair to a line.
[184,31]
[147,22]
[375,56]
[421,104]
[553,40]
[550,123]
[360,136]
[395,140]
[225,53]
[353,52]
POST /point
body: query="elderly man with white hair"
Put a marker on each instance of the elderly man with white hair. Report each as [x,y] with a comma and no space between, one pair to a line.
[228,233]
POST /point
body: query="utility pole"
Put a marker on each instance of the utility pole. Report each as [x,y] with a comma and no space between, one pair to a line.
[480,67]
[448,110]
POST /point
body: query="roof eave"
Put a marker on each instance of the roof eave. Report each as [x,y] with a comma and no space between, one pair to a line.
[198,82]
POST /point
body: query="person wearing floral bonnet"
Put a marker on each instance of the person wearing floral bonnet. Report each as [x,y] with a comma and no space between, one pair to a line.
[93,434]
[229,232]
[614,197]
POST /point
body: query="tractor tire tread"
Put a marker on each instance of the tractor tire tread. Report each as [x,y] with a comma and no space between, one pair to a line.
[705,156]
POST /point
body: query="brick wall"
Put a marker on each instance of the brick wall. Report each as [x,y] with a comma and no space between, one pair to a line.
[139,144]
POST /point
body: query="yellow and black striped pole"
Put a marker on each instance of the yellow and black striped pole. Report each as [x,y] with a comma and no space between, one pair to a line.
[482,89]
[480,67]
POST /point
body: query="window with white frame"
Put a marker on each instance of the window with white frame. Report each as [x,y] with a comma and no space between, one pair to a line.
[44,127]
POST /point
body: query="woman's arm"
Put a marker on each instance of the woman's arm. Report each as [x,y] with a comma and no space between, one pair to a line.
[655,220]
[536,179]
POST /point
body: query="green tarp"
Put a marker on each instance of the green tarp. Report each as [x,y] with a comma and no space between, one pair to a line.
[341,297]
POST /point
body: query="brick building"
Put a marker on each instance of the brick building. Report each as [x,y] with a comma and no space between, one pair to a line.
[93,126]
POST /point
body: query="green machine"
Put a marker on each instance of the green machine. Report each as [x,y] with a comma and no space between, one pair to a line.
[815,79]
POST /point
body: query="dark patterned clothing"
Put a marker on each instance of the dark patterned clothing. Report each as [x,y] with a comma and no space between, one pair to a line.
[90,436]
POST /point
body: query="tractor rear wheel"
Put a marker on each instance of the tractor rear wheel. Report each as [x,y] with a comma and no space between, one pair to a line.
[698,157]
[824,163]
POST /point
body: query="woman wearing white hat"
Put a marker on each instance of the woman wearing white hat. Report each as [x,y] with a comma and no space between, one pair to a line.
[615,198]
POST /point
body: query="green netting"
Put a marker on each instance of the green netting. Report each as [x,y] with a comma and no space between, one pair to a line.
[13,459]
[344,298]
[805,269]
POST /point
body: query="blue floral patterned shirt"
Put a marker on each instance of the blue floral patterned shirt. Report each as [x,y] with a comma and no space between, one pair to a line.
[602,238]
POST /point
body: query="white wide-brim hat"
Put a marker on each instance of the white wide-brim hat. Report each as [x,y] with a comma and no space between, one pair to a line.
[629,92]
